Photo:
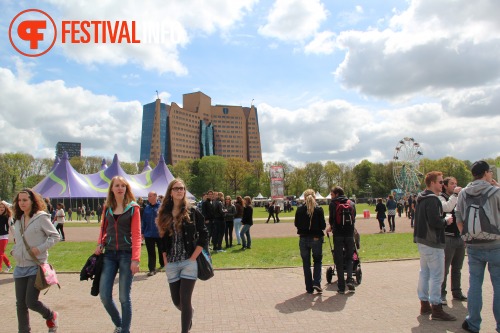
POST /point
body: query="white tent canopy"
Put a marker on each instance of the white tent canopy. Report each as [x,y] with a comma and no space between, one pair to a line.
[259,196]
[319,196]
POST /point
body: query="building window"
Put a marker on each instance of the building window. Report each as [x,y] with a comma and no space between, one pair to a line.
[225,110]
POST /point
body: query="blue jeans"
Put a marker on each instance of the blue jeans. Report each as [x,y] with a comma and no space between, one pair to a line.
[114,261]
[185,269]
[307,245]
[246,241]
[431,274]
[478,258]
[237,227]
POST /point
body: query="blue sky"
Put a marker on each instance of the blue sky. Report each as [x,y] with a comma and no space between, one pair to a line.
[332,80]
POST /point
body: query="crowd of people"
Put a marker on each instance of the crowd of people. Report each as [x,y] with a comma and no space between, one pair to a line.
[175,233]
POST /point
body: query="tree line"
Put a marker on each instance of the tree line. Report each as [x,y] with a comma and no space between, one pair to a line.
[235,176]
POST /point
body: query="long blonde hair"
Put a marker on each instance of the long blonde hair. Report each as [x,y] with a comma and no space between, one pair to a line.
[165,222]
[310,197]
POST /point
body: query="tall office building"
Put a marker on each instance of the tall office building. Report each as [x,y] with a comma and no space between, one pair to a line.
[72,148]
[154,131]
[199,129]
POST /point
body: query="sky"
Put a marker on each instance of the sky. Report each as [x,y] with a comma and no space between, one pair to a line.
[332,80]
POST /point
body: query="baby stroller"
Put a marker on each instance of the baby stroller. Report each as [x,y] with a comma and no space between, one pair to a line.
[356,264]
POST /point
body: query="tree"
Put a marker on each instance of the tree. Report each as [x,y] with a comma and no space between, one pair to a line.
[129,167]
[331,174]
[182,170]
[297,184]
[313,175]
[211,172]
[237,170]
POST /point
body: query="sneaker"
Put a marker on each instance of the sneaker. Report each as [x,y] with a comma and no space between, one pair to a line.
[8,268]
[443,300]
[318,289]
[117,330]
[248,247]
[341,292]
[465,326]
[350,285]
[53,323]
[151,273]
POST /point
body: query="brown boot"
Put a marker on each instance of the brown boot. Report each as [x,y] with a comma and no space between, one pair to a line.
[425,307]
[439,314]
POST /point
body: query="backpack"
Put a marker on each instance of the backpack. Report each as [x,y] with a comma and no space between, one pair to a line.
[478,224]
[344,213]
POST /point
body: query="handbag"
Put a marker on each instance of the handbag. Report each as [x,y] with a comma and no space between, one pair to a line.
[205,268]
[46,275]
[204,260]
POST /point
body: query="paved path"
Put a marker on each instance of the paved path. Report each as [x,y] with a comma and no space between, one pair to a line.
[259,230]
[255,300]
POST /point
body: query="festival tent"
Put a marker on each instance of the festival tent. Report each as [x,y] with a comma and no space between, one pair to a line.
[65,182]
[319,196]
[104,166]
[259,196]
[147,167]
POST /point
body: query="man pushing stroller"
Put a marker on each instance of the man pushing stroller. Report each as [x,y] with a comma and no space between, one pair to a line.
[342,219]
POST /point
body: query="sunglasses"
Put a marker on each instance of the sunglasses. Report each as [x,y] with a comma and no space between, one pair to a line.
[178,189]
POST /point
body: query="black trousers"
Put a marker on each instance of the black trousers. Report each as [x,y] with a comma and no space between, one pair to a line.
[228,233]
[343,259]
[27,298]
[219,227]
[151,244]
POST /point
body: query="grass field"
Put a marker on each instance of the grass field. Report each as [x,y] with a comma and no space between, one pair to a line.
[265,252]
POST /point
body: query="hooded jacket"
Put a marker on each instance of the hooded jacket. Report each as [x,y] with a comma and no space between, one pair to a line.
[39,233]
[476,188]
[429,222]
[337,229]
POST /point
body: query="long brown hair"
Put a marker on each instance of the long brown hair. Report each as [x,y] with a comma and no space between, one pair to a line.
[111,200]
[8,211]
[165,222]
[37,203]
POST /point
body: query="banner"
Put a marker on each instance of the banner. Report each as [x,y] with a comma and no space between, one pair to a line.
[277,182]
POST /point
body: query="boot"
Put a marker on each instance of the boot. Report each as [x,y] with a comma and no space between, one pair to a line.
[439,314]
[425,307]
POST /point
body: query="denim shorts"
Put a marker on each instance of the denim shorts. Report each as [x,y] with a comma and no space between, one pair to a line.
[186,269]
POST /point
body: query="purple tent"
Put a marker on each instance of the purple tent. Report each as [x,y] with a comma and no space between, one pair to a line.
[65,182]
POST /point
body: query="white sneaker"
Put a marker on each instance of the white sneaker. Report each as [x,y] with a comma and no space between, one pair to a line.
[443,300]
[117,330]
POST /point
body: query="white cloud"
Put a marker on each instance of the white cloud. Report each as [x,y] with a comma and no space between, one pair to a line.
[429,47]
[41,114]
[323,43]
[294,20]
[174,22]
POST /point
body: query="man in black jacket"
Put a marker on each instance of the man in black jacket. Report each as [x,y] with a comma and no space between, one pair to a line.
[429,236]
[207,209]
[343,238]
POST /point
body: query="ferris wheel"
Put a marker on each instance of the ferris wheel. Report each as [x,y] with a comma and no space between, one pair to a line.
[407,155]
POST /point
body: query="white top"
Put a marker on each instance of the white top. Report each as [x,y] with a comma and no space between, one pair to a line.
[60,216]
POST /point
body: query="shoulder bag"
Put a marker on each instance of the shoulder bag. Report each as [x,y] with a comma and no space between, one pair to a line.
[46,274]
[204,260]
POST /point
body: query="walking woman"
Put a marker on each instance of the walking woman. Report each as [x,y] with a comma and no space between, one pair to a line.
[60,219]
[184,235]
[229,219]
[310,223]
[5,227]
[237,217]
[247,222]
[121,243]
[380,209]
[391,213]
[35,226]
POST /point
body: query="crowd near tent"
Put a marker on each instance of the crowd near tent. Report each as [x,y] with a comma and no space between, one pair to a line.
[64,182]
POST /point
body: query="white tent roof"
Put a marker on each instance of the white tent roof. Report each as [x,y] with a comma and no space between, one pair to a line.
[319,196]
[329,196]
[259,196]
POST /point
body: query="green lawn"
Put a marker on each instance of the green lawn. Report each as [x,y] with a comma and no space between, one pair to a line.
[265,252]
[260,212]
